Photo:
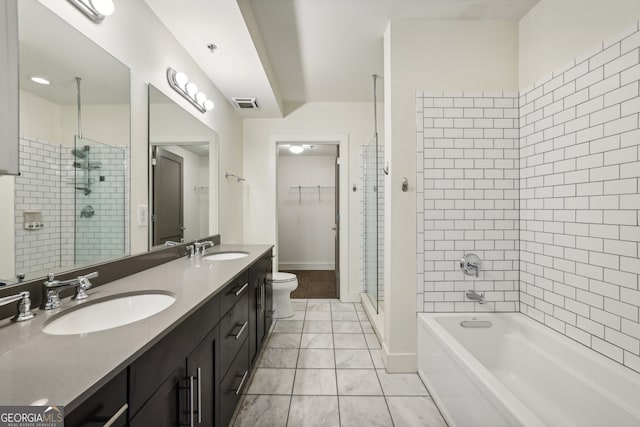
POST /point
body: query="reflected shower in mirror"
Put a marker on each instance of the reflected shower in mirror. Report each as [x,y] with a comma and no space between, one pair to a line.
[71,196]
[183,173]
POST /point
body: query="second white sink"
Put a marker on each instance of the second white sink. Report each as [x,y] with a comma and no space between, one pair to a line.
[108,313]
[223,256]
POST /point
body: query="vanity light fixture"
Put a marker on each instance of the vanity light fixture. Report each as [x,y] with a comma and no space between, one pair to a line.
[40,80]
[189,90]
[96,10]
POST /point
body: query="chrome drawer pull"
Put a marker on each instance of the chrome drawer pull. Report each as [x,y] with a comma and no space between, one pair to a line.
[244,377]
[242,328]
[117,415]
[239,291]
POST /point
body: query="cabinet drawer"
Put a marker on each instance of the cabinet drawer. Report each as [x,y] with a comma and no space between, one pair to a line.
[233,384]
[108,403]
[234,330]
[233,292]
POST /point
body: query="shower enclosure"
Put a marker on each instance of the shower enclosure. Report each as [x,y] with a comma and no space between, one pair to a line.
[99,182]
[70,207]
[373,210]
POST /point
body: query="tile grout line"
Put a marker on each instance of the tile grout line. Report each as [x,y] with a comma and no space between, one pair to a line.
[335,365]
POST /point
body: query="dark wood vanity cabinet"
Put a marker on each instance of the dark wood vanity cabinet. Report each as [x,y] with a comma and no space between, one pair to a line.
[196,374]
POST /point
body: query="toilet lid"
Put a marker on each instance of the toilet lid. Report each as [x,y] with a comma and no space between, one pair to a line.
[280,277]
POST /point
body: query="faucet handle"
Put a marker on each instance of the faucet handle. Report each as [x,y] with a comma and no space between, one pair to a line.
[83,285]
[50,277]
[470,264]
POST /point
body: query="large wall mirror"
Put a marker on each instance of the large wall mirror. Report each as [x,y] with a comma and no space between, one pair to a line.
[70,202]
[183,172]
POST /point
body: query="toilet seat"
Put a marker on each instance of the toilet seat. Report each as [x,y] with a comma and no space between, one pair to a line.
[280,277]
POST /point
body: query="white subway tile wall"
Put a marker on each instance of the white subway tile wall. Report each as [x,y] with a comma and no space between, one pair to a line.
[37,189]
[47,184]
[579,199]
[467,199]
[103,235]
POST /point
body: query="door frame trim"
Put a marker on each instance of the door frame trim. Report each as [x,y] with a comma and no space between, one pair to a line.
[341,140]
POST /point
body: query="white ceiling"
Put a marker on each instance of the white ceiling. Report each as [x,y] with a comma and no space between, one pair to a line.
[297,51]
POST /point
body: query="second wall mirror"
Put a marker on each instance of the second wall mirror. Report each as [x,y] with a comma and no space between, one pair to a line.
[183,173]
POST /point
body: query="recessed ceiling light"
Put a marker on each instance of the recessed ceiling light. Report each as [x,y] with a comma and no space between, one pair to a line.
[40,80]
[296,149]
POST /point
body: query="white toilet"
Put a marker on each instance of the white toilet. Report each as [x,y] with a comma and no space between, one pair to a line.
[283,285]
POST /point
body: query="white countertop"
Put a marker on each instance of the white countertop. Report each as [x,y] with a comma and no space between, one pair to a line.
[36,368]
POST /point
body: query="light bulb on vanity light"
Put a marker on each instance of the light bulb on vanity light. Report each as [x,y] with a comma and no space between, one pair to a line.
[103,7]
[208,105]
[201,98]
[192,89]
[181,79]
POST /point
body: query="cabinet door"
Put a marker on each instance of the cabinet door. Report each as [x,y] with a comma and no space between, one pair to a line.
[9,87]
[202,378]
[166,408]
[107,404]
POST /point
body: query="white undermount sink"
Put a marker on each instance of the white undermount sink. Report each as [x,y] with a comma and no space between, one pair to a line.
[223,256]
[108,313]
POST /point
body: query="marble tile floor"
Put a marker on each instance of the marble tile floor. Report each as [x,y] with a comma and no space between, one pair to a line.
[323,367]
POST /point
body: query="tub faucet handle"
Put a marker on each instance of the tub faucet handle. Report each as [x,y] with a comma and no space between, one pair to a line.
[470,264]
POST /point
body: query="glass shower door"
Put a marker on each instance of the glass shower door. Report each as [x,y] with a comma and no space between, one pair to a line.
[99,200]
[372,207]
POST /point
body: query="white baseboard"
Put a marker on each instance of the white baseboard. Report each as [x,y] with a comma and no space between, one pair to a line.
[306,266]
[350,297]
[397,363]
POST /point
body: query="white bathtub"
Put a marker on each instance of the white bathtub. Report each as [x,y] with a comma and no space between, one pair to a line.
[521,373]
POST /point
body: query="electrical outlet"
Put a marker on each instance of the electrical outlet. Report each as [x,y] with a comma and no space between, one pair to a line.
[143,215]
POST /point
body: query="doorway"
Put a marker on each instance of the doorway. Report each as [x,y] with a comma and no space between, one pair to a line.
[308,207]
[167,220]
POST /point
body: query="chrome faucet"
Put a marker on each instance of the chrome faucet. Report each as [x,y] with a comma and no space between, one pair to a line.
[204,245]
[198,248]
[24,305]
[474,296]
[52,287]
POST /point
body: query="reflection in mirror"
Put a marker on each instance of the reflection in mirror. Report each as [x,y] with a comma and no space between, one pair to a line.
[71,196]
[183,173]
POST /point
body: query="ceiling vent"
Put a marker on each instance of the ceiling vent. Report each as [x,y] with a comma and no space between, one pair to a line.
[246,103]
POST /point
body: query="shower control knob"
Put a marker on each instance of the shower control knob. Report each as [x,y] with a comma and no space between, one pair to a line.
[470,264]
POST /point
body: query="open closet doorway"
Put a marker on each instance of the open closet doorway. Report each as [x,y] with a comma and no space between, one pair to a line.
[308,217]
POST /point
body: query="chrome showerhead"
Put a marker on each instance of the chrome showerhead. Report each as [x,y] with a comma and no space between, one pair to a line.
[80,154]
